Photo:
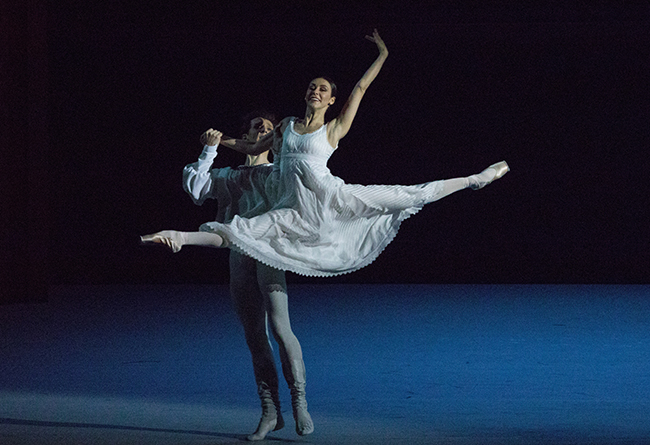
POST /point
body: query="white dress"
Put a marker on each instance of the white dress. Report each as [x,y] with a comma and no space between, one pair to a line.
[316,224]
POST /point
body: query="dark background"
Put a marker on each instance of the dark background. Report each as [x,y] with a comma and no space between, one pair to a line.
[104,105]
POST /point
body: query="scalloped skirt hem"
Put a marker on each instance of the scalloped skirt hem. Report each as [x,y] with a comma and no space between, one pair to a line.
[278,261]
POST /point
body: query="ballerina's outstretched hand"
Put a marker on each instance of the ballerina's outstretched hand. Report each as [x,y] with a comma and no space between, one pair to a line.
[381,46]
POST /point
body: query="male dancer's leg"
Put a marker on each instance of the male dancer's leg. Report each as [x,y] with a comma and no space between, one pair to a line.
[274,288]
[250,307]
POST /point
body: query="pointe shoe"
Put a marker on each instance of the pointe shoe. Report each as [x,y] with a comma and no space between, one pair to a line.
[166,237]
[500,168]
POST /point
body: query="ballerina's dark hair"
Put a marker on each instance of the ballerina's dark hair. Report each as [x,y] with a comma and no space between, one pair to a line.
[332,84]
[246,120]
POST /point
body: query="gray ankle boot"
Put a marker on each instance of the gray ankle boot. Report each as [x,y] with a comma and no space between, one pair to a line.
[271,414]
[297,383]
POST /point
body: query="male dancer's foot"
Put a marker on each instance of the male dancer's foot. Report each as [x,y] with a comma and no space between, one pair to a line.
[296,378]
[304,424]
[271,413]
[267,424]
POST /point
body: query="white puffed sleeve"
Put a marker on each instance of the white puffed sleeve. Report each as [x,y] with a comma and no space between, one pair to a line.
[197,177]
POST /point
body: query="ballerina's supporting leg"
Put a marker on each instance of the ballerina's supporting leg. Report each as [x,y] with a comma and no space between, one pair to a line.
[175,240]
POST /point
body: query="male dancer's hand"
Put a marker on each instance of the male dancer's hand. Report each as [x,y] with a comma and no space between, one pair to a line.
[211,137]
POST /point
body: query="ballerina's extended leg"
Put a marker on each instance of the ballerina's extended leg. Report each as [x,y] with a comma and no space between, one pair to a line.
[175,240]
[446,187]
[399,197]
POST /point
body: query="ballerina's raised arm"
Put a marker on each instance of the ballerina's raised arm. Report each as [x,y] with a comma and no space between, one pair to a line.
[340,125]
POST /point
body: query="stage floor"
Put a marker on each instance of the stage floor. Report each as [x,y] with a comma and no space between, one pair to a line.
[386,364]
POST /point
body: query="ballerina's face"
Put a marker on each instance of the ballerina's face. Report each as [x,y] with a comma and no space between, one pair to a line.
[259,127]
[319,93]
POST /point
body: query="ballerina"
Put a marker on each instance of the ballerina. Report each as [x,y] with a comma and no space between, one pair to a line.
[317,225]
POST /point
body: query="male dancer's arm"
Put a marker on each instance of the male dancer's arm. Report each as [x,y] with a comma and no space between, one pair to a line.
[197,177]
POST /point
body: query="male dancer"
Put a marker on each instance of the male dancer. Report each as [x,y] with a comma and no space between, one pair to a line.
[259,292]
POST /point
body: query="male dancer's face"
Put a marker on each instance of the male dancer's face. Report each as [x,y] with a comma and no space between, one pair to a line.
[258,128]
